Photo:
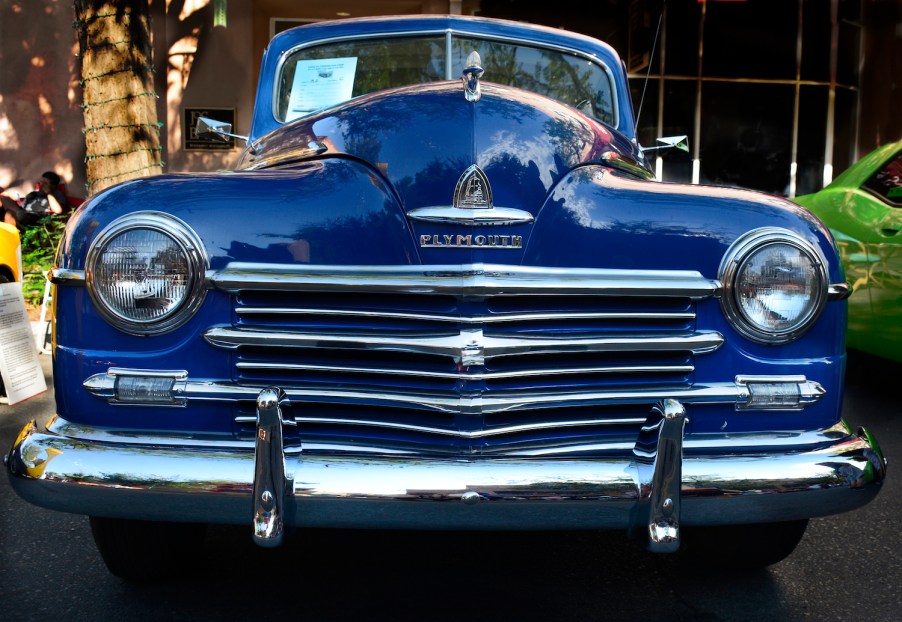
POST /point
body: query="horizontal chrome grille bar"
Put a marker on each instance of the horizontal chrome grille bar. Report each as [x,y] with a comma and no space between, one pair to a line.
[513,429]
[622,369]
[760,441]
[450,358]
[103,386]
[466,319]
[471,347]
[473,280]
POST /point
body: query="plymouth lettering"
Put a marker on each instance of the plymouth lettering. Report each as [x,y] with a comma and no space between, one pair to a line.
[500,242]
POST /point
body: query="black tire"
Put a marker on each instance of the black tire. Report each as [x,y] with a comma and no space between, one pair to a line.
[143,551]
[741,547]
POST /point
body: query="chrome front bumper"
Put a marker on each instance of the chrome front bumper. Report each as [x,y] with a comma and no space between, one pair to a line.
[668,480]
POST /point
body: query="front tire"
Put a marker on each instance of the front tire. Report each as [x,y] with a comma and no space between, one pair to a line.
[142,551]
[742,547]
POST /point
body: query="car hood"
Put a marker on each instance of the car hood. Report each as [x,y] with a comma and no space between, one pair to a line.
[422,139]
[341,188]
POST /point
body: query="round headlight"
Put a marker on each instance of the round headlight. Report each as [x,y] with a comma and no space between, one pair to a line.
[775,285]
[146,272]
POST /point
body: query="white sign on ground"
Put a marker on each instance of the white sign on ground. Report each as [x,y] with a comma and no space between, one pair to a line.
[20,367]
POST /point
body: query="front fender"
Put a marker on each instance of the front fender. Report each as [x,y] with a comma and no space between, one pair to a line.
[335,211]
[602,219]
[596,217]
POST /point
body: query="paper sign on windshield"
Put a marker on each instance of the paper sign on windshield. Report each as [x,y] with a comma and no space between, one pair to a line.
[319,84]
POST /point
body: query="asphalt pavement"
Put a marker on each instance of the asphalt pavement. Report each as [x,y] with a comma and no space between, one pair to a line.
[847,567]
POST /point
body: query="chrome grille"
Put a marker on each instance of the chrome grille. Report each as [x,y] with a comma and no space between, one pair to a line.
[463,359]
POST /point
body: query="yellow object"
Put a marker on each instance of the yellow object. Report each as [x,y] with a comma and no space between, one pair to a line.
[10,253]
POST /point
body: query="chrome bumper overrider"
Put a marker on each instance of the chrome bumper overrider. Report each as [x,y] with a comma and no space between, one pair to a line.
[667,481]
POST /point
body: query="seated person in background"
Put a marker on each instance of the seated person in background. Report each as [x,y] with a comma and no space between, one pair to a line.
[47,198]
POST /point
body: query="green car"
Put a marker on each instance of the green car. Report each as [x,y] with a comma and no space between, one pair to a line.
[863,209]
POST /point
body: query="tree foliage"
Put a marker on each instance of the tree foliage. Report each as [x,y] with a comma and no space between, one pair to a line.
[39,243]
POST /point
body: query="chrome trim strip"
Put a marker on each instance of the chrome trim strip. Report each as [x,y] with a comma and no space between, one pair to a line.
[194,484]
[513,429]
[449,74]
[357,449]
[105,435]
[451,32]
[472,216]
[762,442]
[471,346]
[313,148]
[570,450]
[472,280]
[494,318]
[745,441]
[839,291]
[715,393]
[176,374]
[615,160]
[62,276]
[797,378]
[613,369]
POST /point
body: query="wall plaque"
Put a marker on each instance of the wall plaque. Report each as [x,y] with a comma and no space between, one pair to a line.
[207,143]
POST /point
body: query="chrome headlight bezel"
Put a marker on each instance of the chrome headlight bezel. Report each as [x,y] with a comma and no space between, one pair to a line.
[195,255]
[731,268]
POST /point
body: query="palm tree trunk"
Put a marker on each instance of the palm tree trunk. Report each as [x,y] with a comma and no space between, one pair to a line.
[122,134]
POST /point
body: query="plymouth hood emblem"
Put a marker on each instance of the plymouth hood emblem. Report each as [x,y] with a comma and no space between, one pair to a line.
[472,205]
[473,190]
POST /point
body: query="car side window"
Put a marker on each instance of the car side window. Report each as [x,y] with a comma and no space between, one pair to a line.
[887,181]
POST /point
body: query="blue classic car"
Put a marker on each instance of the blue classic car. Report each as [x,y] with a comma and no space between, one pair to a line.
[443,290]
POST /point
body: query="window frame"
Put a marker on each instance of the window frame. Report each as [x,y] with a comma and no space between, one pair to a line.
[449,34]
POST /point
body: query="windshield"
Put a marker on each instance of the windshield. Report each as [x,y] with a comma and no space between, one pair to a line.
[317,77]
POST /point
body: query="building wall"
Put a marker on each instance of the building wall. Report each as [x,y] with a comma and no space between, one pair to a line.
[40,116]
[881,74]
[204,66]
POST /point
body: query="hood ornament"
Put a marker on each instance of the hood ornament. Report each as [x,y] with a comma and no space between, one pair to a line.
[470,77]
